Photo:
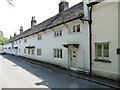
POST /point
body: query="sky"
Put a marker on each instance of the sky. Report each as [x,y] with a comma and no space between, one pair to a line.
[12,17]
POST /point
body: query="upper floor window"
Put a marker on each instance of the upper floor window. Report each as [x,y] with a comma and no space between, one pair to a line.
[58,33]
[39,37]
[25,40]
[102,51]
[75,29]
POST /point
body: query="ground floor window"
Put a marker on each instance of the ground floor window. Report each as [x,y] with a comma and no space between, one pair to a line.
[57,53]
[33,51]
[102,51]
[39,52]
[28,50]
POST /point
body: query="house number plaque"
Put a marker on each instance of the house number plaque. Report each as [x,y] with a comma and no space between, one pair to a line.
[118,51]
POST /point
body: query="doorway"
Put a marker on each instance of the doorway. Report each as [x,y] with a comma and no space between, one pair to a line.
[72,58]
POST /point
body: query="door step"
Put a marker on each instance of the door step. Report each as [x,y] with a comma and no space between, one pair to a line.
[74,69]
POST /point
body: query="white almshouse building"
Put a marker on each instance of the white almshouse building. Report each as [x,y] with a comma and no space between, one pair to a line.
[61,40]
[83,38]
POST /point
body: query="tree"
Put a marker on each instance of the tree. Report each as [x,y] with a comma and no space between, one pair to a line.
[2,39]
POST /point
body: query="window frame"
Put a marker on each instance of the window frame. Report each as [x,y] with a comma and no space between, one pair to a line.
[32,51]
[102,51]
[74,29]
[39,37]
[39,52]
[28,50]
[58,33]
[57,53]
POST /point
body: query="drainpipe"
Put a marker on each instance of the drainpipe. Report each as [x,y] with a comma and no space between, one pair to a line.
[90,40]
[90,36]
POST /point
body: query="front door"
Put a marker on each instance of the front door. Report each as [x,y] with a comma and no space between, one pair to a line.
[73,58]
[16,51]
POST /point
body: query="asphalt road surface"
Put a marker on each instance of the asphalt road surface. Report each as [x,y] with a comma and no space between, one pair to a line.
[17,73]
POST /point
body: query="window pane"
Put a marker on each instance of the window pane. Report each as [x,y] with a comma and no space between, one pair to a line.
[106,47]
[57,33]
[73,28]
[106,53]
[57,53]
[32,51]
[99,47]
[99,53]
[78,28]
[60,53]
[106,50]
[99,50]
[38,52]
[60,32]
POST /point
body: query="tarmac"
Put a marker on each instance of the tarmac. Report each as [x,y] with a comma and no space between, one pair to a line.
[100,80]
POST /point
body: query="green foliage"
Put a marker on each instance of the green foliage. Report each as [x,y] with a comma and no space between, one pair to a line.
[2,39]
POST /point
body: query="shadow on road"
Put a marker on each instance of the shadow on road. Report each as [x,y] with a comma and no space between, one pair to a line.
[51,78]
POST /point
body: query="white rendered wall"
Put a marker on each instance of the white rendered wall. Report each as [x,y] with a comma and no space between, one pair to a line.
[105,29]
[49,41]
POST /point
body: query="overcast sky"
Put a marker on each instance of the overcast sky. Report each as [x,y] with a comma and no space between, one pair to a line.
[12,17]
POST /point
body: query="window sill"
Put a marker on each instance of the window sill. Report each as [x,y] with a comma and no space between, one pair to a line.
[102,60]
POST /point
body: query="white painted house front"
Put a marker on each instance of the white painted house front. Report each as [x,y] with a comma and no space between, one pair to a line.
[106,39]
[62,40]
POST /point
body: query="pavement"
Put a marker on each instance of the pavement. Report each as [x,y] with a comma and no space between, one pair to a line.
[96,79]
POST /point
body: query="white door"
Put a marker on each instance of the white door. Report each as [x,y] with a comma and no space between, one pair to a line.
[16,51]
[73,57]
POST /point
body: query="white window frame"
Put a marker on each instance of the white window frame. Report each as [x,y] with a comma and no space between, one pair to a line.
[57,53]
[32,51]
[39,37]
[58,33]
[29,50]
[102,51]
[74,27]
[39,52]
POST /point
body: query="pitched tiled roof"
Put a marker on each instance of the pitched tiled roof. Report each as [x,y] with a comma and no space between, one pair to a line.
[70,14]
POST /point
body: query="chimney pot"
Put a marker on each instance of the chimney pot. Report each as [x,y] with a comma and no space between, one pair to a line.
[15,34]
[63,5]
[33,21]
[21,29]
[10,36]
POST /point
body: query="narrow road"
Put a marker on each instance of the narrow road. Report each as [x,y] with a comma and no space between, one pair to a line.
[17,73]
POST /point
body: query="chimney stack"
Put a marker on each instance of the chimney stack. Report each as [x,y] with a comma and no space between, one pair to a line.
[15,34]
[86,10]
[10,36]
[63,5]
[33,21]
[21,29]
